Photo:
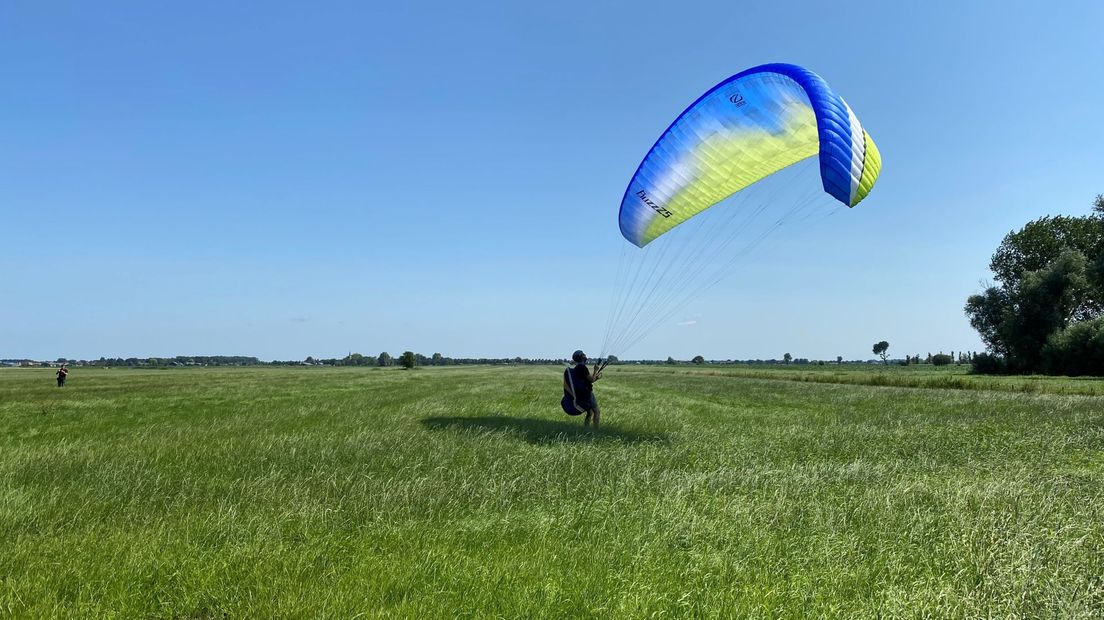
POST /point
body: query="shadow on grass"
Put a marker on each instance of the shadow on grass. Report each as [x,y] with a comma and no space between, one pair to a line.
[539,431]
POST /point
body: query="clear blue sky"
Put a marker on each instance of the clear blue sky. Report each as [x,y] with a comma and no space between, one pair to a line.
[284,180]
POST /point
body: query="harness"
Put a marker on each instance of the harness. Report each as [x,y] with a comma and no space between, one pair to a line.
[569,404]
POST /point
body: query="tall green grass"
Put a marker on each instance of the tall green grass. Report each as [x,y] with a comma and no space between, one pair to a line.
[464,492]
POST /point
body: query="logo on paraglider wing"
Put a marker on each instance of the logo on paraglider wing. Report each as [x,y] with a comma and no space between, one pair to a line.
[738,99]
[648,201]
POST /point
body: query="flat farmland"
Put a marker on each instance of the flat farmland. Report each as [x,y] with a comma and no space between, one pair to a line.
[465,492]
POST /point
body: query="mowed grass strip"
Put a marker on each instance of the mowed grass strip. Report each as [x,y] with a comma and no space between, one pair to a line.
[465,492]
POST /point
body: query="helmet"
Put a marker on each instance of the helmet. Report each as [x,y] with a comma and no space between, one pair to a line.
[578,357]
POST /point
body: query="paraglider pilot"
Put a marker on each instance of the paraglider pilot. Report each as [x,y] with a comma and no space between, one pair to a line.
[579,390]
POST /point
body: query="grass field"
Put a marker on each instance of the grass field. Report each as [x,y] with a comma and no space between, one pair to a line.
[464,492]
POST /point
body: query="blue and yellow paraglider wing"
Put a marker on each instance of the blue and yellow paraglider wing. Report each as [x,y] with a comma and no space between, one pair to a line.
[748,127]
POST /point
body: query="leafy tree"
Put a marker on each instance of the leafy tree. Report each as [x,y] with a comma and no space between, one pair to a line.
[880,349]
[437,359]
[1050,277]
[384,359]
[671,360]
[698,359]
[1042,241]
[1017,322]
[407,360]
[787,358]
[612,359]
[941,359]
[839,359]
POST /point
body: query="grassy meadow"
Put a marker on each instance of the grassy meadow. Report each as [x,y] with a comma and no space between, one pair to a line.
[465,492]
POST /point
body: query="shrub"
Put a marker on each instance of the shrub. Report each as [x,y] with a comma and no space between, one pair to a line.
[988,364]
[1076,350]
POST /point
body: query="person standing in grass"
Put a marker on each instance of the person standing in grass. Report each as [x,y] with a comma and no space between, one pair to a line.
[62,374]
[579,390]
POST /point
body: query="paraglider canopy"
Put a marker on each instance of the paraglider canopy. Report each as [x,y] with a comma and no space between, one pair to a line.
[748,142]
[748,127]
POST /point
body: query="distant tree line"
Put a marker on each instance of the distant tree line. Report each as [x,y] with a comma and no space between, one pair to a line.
[880,349]
[939,359]
[699,360]
[180,360]
[384,359]
[410,359]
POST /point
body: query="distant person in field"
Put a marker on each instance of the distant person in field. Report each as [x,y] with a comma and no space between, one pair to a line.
[62,374]
[579,390]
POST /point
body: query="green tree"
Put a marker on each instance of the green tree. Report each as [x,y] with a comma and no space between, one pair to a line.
[1042,241]
[787,358]
[384,359]
[437,359]
[698,359]
[1050,277]
[881,349]
[1016,322]
[671,360]
[407,360]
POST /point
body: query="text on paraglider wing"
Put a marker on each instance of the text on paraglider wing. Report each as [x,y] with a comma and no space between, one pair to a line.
[648,201]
